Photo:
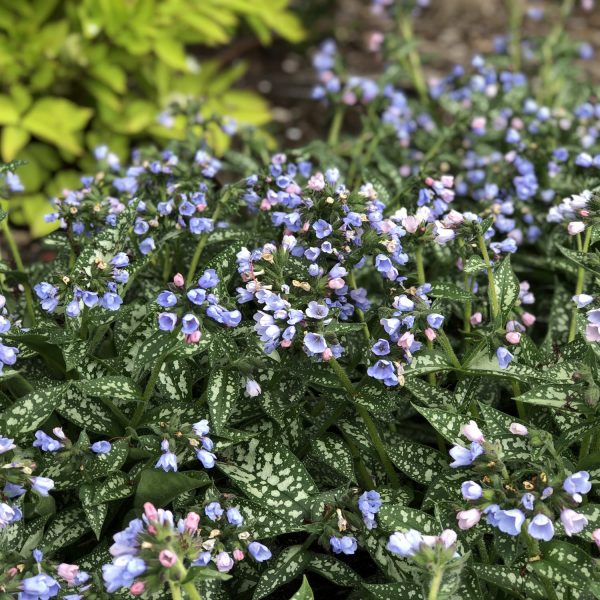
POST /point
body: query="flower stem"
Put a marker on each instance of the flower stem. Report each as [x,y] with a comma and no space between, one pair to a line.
[580,281]
[434,586]
[421,279]
[336,125]
[495,307]
[141,407]
[359,312]
[191,591]
[414,60]
[386,463]
[14,250]
[515,18]
[175,590]
[204,238]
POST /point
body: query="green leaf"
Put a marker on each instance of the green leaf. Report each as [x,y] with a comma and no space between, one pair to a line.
[553,396]
[427,362]
[305,592]
[428,394]
[396,517]
[402,590]
[108,462]
[9,113]
[507,287]
[114,387]
[28,412]
[450,291]
[288,565]
[474,265]
[87,413]
[69,525]
[448,424]
[223,389]
[115,487]
[272,475]
[57,121]
[161,487]
[14,139]
[332,451]
[419,462]
[334,570]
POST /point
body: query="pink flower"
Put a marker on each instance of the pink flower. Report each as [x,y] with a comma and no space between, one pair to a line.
[476,319]
[150,511]
[327,354]
[178,280]
[575,227]
[596,537]
[513,337]
[137,589]
[528,319]
[592,332]
[167,558]
[238,554]
[337,283]
[430,334]
[468,518]
[316,182]
[448,537]
[518,429]
[67,572]
[411,224]
[191,522]
[406,341]
[472,432]
[193,338]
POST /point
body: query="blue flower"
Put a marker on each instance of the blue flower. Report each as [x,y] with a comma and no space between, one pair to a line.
[541,528]
[381,347]
[528,500]
[577,483]
[6,444]
[200,225]
[168,460]
[202,560]
[189,323]
[101,447]
[463,457]
[120,260]
[510,521]
[504,357]
[147,246]
[38,587]
[208,459]
[166,299]
[316,310]
[73,309]
[471,490]
[167,321]
[259,552]
[213,511]
[315,342]
[111,301]
[42,485]
[45,442]
[234,516]
[209,279]
[201,428]
[322,228]
[196,296]
[435,320]
[343,545]
[405,544]
[122,572]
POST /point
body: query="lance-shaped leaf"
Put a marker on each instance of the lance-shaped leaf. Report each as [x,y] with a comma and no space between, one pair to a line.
[419,462]
[507,287]
[396,517]
[448,424]
[87,413]
[427,362]
[28,412]
[289,564]
[161,487]
[272,475]
[334,570]
[332,451]
[68,526]
[223,389]
[400,590]
[450,291]
[305,592]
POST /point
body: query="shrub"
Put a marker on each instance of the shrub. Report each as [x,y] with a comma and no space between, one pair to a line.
[374,360]
[79,74]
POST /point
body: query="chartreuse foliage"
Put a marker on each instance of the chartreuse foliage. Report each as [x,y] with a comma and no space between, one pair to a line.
[358,370]
[78,74]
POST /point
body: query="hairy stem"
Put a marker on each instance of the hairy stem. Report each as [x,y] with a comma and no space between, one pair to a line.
[386,463]
[580,281]
[495,307]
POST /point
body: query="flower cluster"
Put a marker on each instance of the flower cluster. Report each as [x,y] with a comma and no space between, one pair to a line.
[155,548]
[8,354]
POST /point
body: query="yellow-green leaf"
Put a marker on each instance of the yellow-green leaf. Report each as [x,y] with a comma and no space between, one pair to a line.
[14,139]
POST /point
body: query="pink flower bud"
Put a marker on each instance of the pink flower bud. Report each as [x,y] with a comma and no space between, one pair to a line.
[265,204]
[13,570]
[429,181]
[584,212]
[337,283]
[151,530]
[518,429]
[448,537]
[472,432]
[528,319]
[286,343]
[406,341]
[575,227]
[167,558]
[193,338]
[191,522]
[238,554]
[67,572]
[178,280]
[468,518]
[430,334]
[327,354]
[476,319]
[137,589]
[596,537]
[150,511]
[513,337]
[59,433]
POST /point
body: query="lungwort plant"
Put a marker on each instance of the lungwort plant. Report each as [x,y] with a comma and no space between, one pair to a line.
[366,368]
